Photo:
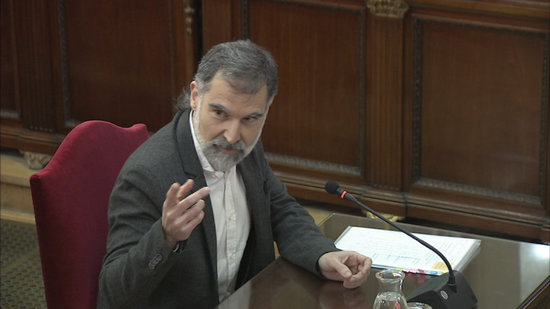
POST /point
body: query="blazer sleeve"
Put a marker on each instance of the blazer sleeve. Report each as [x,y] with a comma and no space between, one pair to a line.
[138,256]
[297,236]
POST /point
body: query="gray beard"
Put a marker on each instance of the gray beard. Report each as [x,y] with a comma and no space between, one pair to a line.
[219,160]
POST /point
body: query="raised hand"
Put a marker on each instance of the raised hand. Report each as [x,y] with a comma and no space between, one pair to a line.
[182,212]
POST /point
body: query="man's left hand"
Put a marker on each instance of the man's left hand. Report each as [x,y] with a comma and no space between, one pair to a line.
[349,267]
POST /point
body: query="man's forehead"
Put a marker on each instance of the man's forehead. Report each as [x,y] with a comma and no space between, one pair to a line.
[239,85]
[222,95]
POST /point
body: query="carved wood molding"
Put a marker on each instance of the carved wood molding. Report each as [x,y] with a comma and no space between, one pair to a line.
[29,140]
[388,8]
[190,13]
[313,164]
[36,161]
[479,191]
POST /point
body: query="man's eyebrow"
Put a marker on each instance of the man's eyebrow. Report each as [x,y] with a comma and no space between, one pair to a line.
[217,106]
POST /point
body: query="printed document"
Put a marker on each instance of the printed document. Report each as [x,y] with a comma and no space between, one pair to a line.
[394,249]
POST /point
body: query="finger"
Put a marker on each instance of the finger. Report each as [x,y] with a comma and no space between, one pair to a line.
[171,196]
[192,212]
[190,219]
[192,199]
[359,264]
[194,220]
[342,269]
[185,189]
[363,266]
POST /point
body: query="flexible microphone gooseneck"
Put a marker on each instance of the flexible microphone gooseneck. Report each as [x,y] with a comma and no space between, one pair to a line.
[450,291]
[333,188]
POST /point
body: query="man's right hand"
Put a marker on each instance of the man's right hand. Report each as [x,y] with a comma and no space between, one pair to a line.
[181,212]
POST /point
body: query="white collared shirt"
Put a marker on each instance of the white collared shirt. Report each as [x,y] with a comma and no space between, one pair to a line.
[231,217]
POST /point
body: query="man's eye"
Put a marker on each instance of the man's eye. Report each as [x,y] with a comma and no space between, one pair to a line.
[251,119]
[219,113]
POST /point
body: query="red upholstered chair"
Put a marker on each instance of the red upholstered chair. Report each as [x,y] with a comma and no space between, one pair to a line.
[71,197]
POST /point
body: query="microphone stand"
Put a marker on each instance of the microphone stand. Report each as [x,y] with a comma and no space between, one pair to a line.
[448,291]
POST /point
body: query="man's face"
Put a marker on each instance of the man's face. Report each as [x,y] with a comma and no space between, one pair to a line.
[228,123]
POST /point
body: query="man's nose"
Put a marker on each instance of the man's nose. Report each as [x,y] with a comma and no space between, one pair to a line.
[232,133]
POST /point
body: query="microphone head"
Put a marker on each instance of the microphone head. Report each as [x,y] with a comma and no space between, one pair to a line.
[332,187]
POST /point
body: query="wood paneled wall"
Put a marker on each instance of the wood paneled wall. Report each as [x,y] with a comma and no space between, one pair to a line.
[435,110]
[64,62]
[437,113]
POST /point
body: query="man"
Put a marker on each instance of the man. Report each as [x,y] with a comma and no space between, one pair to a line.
[192,245]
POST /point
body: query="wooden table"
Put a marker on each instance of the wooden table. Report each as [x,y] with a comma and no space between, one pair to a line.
[505,274]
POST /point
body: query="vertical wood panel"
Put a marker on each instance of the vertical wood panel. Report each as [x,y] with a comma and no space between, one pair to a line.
[34,63]
[216,26]
[119,61]
[9,100]
[482,121]
[476,120]
[317,114]
[384,102]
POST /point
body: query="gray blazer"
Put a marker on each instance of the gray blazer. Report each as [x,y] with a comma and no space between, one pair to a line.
[141,271]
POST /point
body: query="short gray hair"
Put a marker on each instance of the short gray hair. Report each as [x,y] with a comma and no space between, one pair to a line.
[246,66]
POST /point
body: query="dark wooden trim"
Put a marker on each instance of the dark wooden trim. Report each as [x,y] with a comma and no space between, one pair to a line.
[540,298]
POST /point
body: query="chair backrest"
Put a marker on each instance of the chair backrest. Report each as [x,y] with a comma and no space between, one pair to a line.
[70,197]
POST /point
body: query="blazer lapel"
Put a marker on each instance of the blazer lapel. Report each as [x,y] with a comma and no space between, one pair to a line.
[260,250]
[255,193]
[193,169]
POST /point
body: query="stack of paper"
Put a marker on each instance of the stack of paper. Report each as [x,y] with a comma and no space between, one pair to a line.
[394,249]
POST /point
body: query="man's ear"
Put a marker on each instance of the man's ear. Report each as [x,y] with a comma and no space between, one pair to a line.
[194,97]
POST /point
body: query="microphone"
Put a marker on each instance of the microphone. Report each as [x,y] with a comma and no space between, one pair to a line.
[448,291]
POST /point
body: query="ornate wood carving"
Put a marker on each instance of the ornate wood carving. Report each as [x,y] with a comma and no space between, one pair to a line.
[313,164]
[479,191]
[388,8]
[189,17]
[36,161]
